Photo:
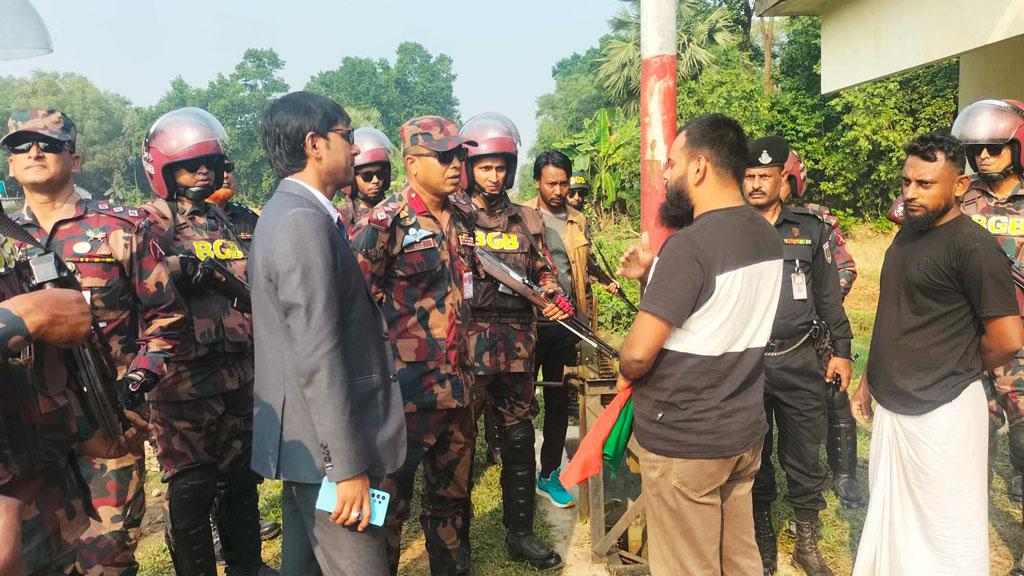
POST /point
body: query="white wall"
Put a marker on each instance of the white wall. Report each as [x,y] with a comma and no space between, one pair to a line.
[863,40]
[995,71]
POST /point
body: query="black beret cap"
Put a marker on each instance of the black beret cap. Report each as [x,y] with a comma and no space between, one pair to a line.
[768,151]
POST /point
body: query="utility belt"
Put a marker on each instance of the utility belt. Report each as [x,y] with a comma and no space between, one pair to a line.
[818,335]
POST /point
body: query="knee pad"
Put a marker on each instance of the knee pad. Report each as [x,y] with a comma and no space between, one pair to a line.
[190,496]
[518,443]
[1015,438]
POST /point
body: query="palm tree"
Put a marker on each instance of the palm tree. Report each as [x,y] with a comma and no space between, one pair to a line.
[365,116]
[698,31]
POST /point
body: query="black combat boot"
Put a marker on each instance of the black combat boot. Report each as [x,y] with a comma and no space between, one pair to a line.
[841,449]
[518,499]
[806,555]
[764,534]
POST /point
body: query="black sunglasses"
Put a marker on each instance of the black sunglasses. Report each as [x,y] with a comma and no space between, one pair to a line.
[993,149]
[347,134]
[369,175]
[45,146]
[193,164]
[447,156]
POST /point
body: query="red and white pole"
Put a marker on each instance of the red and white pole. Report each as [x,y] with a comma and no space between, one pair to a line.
[657,109]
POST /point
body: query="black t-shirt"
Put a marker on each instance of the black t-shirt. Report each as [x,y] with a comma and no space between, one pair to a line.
[936,287]
[717,281]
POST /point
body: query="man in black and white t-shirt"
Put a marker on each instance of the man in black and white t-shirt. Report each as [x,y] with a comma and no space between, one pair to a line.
[694,355]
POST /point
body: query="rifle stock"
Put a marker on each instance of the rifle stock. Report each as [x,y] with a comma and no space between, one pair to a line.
[521,285]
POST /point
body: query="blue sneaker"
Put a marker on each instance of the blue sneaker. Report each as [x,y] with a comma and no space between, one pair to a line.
[554,491]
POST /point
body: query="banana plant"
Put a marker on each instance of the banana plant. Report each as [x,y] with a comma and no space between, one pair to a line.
[600,149]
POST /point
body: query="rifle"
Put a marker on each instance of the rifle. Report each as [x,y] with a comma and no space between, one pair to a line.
[92,361]
[520,284]
[211,275]
[608,270]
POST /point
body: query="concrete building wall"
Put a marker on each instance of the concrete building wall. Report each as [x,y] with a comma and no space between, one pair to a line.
[863,40]
[993,71]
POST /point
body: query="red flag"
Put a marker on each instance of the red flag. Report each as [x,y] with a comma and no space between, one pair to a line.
[587,460]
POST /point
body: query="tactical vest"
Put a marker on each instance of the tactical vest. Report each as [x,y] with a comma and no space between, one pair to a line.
[205,232]
[40,418]
[509,232]
[1003,219]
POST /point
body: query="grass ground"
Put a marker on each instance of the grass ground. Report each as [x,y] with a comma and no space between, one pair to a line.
[841,528]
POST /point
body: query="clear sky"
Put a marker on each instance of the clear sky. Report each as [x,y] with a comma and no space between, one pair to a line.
[502,51]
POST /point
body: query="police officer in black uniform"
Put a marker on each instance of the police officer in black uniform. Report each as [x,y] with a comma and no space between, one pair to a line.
[243,219]
[810,327]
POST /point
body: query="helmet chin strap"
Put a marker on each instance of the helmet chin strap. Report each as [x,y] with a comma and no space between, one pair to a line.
[996,176]
[492,200]
[196,193]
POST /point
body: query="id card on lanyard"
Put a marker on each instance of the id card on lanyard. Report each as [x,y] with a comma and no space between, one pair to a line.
[799,281]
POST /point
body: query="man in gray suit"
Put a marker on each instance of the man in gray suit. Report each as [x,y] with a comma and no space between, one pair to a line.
[326,402]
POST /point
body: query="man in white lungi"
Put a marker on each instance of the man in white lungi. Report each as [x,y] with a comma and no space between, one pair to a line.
[946,312]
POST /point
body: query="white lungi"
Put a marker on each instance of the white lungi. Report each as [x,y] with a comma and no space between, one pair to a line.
[928,507]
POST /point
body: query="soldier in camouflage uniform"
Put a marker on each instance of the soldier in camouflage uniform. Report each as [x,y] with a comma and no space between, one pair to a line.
[993,131]
[202,410]
[503,330]
[372,175]
[41,420]
[243,219]
[416,251]
[125,279]
[841,441]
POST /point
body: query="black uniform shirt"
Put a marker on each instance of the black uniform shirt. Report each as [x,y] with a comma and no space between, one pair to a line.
[806,249]
[243,219]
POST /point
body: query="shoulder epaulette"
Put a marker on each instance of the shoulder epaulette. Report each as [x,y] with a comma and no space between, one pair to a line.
[131,215]
[381,215]
[806,212]
[243,208]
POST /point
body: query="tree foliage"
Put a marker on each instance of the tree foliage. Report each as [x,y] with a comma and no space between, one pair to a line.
[104,121]
[851,141]
[417,83]
[700,29]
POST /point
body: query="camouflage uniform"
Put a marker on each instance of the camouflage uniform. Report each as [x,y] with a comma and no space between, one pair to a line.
[502,338]
[202,410]
[840,252]
[42,421]
[351,211]
[417,269]
[123,274]
[1005,385]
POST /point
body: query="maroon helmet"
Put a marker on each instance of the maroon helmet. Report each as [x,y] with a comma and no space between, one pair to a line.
[992,122]
[494,134]
[178,136]
[796,174]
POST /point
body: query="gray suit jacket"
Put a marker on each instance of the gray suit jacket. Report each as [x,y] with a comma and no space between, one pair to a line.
[326,402]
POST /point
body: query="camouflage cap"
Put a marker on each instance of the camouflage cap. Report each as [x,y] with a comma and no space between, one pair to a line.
[433,133]
[50,123]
